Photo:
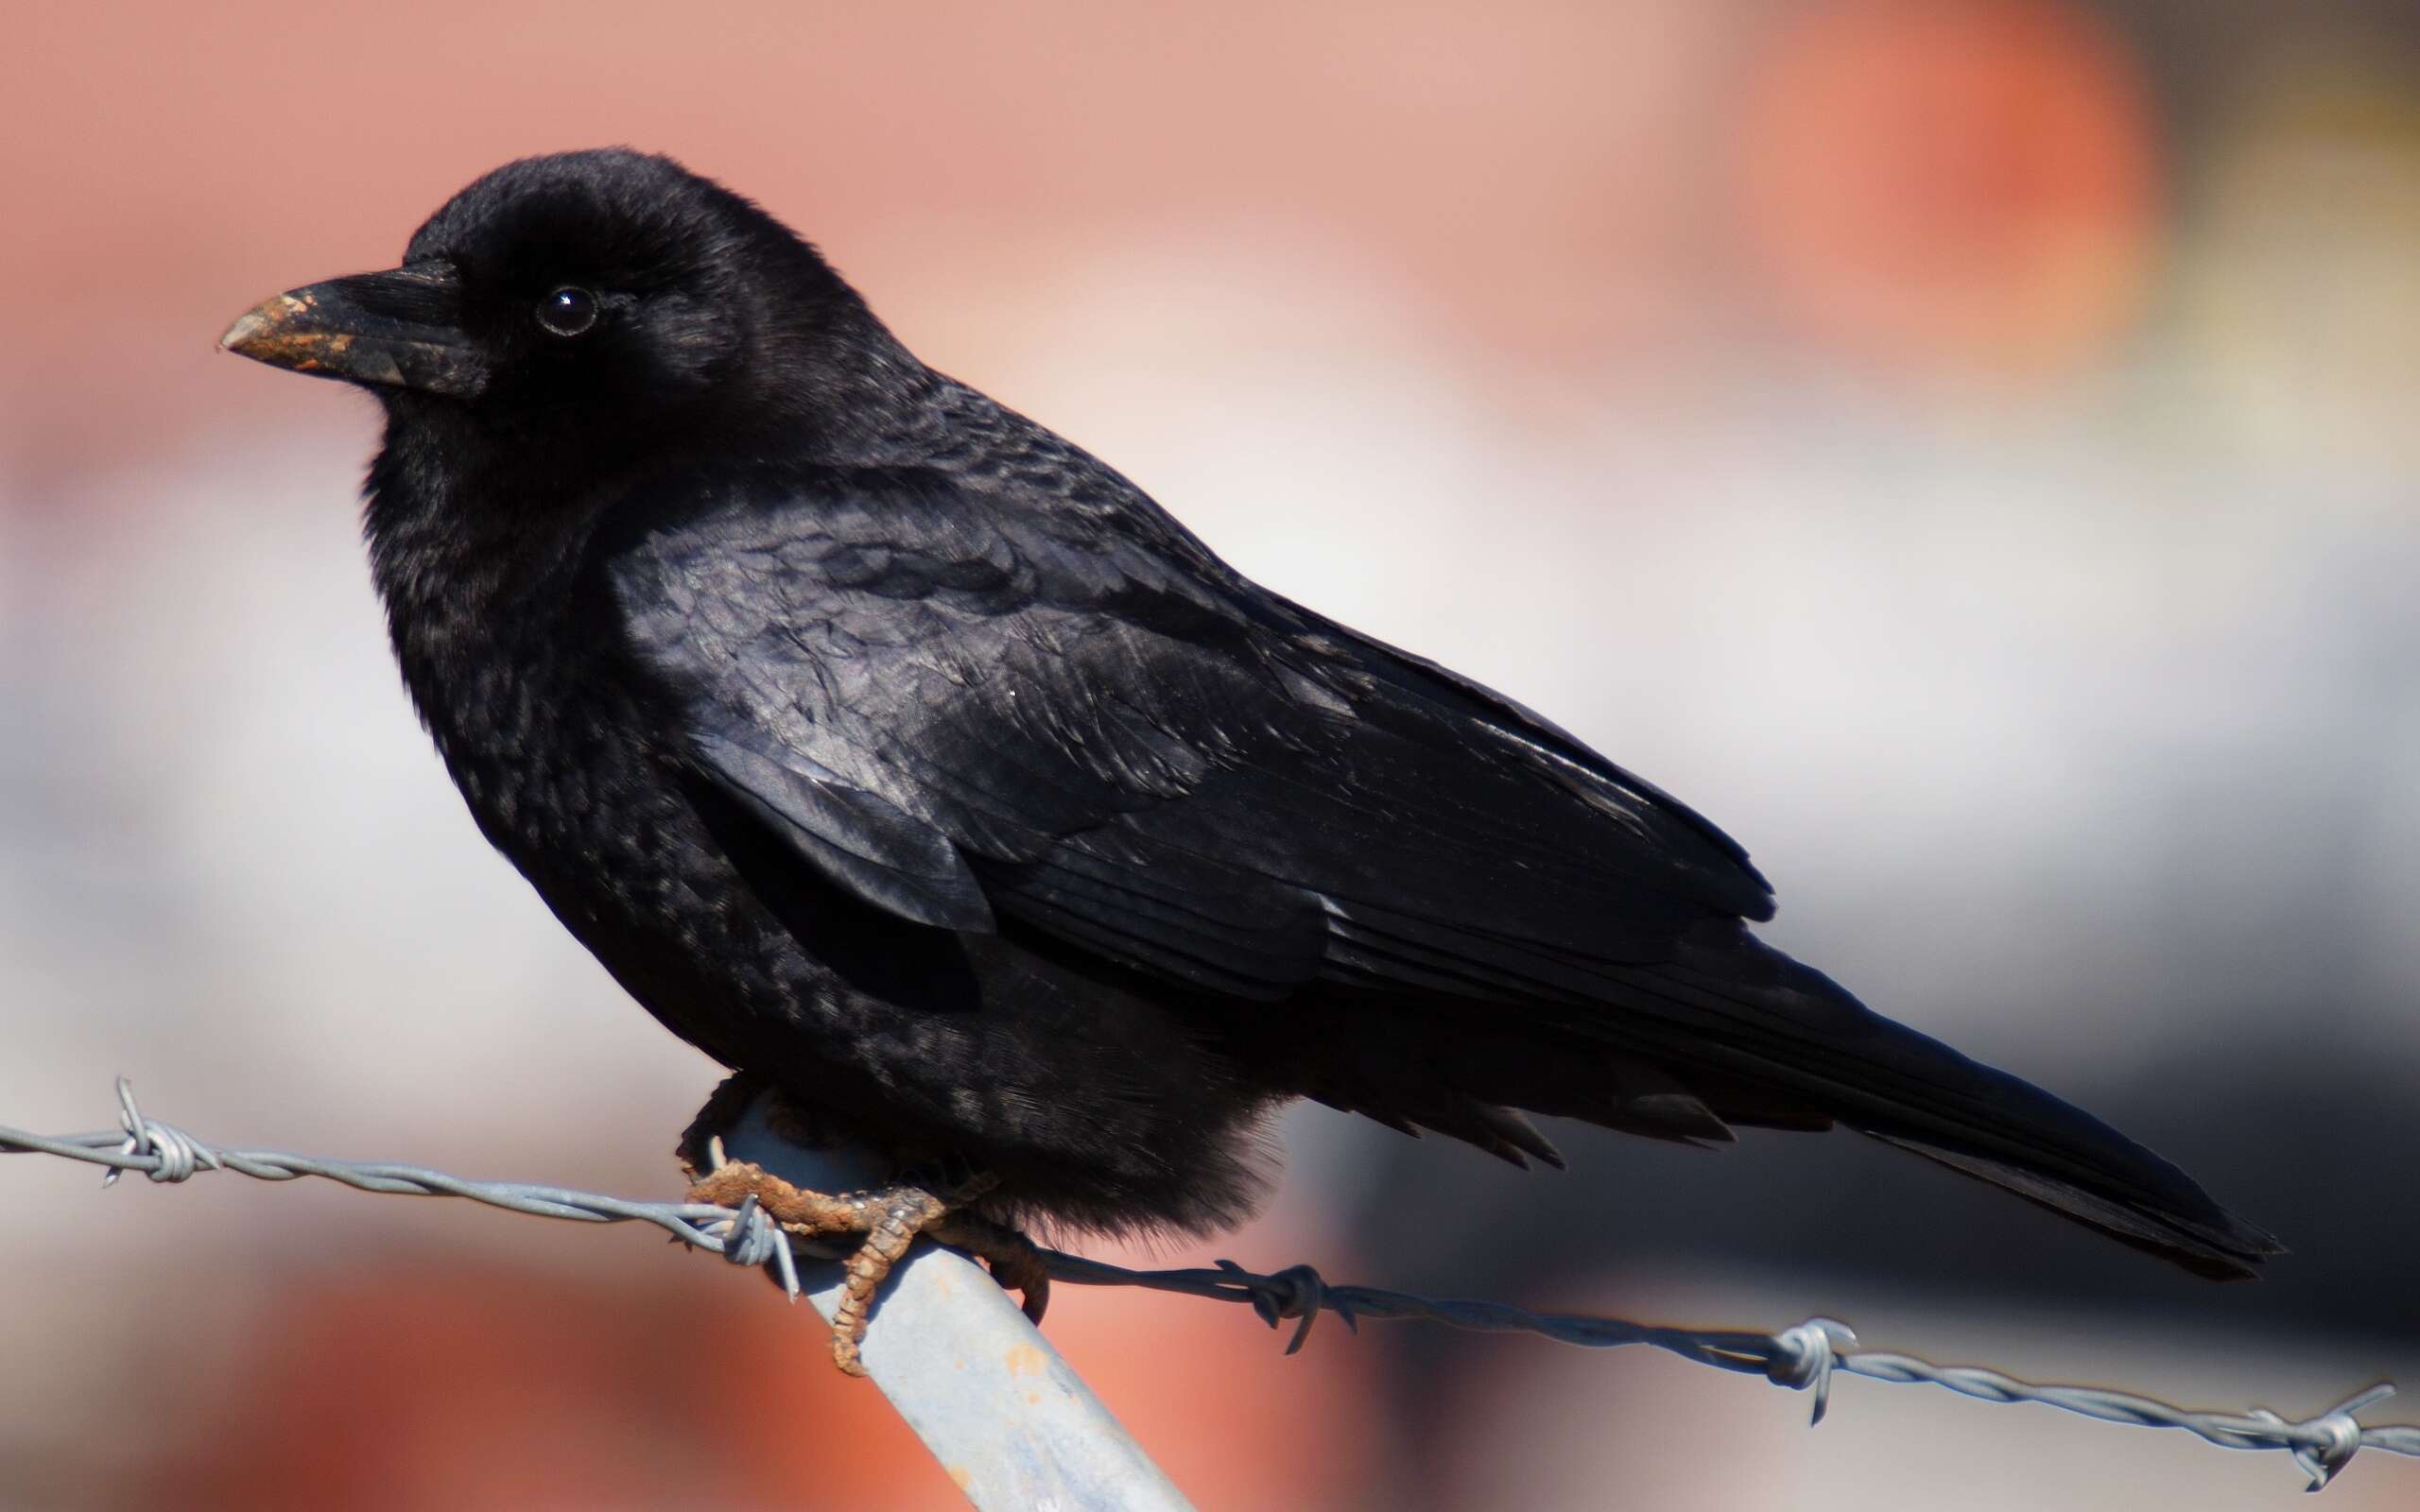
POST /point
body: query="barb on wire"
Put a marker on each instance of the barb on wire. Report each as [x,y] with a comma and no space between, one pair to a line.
[1803,1357]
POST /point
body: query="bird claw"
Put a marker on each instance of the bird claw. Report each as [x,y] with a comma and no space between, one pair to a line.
[890,1219]
[1014,1260]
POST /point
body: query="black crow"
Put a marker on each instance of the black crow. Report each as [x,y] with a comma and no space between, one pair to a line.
[898,753]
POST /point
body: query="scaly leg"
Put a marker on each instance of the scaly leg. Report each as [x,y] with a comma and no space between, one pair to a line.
[891,1218]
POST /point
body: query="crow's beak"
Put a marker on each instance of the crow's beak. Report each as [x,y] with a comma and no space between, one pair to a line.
[399,329]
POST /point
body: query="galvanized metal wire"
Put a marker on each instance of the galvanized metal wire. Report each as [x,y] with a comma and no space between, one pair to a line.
[1803,1357]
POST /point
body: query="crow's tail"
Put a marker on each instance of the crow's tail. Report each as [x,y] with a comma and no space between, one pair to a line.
[1757,1037]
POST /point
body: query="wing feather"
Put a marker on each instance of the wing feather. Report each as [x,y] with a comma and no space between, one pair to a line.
[957,713]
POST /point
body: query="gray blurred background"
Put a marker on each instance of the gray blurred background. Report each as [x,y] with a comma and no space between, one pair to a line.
[1966,448]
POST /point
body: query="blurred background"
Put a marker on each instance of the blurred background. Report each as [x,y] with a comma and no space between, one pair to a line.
[1965,447]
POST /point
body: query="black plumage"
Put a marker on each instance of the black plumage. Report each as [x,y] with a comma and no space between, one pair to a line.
[884,744]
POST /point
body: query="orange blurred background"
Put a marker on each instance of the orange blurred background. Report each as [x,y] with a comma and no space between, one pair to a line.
[1966,447]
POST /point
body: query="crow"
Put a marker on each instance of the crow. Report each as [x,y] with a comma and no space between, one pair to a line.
[908,759]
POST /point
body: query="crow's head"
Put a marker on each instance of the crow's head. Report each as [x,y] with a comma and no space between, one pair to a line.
[589,302]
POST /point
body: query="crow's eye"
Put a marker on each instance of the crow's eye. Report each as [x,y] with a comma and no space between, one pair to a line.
[568,311]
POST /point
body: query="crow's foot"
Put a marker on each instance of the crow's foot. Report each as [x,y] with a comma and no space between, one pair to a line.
[890,1219]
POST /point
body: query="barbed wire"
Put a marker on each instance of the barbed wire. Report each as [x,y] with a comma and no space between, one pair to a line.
[1803,1357]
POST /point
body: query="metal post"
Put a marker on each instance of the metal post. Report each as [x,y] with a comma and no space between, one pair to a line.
[1011,1422]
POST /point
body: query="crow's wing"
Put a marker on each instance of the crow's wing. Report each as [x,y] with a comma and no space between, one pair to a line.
[962,702]
[957,708]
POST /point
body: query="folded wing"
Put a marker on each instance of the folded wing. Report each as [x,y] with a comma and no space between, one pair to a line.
[966,710]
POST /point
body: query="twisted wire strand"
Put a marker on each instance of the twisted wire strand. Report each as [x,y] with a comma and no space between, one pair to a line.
[1803,1357]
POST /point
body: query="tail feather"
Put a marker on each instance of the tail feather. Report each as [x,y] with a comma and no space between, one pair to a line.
[1743,1014]
[2229,1251]
[1727,1030]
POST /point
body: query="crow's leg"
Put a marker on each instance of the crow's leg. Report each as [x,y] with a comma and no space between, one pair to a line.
[891,1218]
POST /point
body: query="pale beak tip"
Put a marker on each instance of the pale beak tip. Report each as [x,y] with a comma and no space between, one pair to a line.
[246,327]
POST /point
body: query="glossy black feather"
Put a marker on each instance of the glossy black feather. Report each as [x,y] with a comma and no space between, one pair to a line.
[884,743]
